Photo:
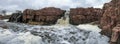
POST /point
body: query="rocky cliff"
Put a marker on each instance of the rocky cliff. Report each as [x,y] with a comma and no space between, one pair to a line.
[110,18]
[84,15]
[43,16]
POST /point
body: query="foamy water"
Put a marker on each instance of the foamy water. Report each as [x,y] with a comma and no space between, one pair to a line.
[36,34]
[89,27]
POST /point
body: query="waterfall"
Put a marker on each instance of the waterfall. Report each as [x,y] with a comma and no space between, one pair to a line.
[17,18]
[36,34]
[64,20]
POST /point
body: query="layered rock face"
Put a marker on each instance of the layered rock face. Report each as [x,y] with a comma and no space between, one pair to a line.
[28,15]
[115,39]
[84,15]
[43,16]
[110,18]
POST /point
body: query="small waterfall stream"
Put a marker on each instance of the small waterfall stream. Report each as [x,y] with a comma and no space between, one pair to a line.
[64,20]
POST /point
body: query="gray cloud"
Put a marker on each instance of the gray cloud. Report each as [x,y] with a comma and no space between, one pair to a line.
[13,5]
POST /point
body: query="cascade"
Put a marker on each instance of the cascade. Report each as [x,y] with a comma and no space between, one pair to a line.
[64,20]
[35,34]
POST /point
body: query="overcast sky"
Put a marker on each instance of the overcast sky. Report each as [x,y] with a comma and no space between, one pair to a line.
[13,5]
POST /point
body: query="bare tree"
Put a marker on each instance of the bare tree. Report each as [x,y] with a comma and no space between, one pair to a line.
[3,12]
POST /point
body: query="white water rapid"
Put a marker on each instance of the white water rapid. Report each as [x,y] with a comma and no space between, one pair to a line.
[64,20]
[35,34]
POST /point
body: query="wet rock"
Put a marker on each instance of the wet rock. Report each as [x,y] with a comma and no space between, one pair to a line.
[84,15]
[3,25]
[16,17]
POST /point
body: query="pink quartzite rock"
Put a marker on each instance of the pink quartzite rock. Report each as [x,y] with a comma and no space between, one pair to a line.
[48,15]
[110,19]
[84,15]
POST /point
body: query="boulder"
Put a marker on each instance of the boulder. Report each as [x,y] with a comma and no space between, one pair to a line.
[115,38]
[84,15]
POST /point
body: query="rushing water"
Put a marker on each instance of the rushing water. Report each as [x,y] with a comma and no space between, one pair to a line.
[64,20]
[56,34]
[61,33]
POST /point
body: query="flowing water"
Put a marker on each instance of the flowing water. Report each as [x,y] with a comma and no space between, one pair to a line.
[64,20]
[36,34]
[61,33]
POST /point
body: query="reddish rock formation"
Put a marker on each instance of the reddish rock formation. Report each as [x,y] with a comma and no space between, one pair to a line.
[1,17]
[28,15]
[115,35]
[43,16]
[110,18]
[84,15]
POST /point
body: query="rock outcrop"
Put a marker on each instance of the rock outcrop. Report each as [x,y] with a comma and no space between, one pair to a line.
[1,17]
[43,16]
[115,38]
[16,17]
[84,15]
[110,18]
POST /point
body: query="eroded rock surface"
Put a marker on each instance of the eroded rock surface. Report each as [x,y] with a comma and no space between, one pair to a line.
[84,15]
[115,35]
[43,16]
[110,18]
